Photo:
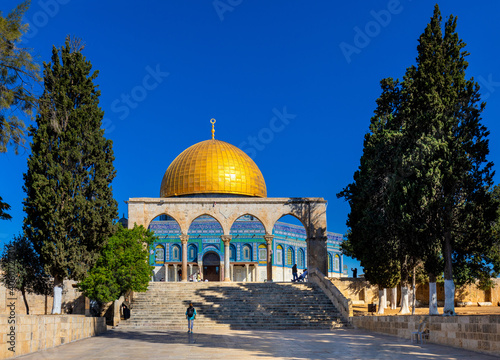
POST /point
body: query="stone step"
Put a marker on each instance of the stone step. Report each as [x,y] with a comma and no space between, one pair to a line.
[234,306]
[247,304]
[235,327]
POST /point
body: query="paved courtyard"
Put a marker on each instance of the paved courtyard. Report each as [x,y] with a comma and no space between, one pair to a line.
[264,344]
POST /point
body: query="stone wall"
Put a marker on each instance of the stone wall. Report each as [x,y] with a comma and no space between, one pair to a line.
[37,332]
[361,292]
[73,302]
[471,332]
[358,290]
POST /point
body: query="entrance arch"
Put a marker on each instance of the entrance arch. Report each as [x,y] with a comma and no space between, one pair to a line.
[211,266]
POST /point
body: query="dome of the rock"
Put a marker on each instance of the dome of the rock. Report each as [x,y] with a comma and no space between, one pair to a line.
[213,167]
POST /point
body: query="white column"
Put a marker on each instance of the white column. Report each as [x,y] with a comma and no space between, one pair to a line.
[232,272]
[246,272]
[166,272]
[190,269]
[226,239]
[176,277]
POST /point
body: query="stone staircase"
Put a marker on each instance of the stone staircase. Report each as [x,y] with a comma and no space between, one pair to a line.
[230,305]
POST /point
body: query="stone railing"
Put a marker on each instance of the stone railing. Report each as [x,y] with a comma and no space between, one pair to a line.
[471,332]
[342,304]
[38,332]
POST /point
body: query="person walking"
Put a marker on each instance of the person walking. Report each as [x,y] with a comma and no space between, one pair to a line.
[190,316]
[294,273]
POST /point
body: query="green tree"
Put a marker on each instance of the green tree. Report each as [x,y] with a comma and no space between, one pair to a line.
[22,269]
[455,176]
[69,204]
[437,198]
[18,74]
[4,207]
[123,266]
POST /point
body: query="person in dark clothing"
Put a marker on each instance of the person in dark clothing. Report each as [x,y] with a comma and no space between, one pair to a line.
[354,272]
[126,312]
[294,272]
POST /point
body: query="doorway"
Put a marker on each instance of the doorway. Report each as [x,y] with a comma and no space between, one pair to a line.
[211,266]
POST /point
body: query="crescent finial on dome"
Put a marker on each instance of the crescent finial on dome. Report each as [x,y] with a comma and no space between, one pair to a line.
[212,121]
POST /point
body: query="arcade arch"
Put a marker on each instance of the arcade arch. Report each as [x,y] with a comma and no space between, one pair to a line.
[246,234]
[291,233]
[166,257]
[203,237]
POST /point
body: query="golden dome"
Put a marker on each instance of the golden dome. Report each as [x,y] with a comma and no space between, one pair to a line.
[213,167]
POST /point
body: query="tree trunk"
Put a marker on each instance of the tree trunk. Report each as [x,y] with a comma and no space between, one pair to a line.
[449,285]
[413,295]
[384,301]
[394,298]
[405,309]
[23,292]
[381,300]
[433,307]
[58,288]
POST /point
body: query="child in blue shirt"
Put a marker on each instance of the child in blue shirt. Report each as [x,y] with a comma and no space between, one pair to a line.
[190,316]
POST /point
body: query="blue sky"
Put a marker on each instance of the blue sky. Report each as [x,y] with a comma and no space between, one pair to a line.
[292,83]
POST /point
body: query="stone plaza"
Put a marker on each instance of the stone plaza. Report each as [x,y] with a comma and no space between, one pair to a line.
[248,345]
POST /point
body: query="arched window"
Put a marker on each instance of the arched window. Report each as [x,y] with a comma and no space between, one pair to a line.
[301,259]
[279,255]
[176,253]
[232,252]
[160,254]
[262,254]
[330,262]
[290,259]
[192,253]
[247,253]
[337,263]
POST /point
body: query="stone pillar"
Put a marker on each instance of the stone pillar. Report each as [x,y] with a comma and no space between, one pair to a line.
[269,243]
[226,239]
[166,271]
[200,269]
[247,266]
[317,254]
[176,278]
[190,269]
[232,272]
[184,242]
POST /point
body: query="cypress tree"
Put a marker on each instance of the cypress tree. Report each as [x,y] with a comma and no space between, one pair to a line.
[69,205]
[437,195]
[455,176]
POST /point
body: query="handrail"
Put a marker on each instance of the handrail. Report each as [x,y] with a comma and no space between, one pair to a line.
[343,304]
